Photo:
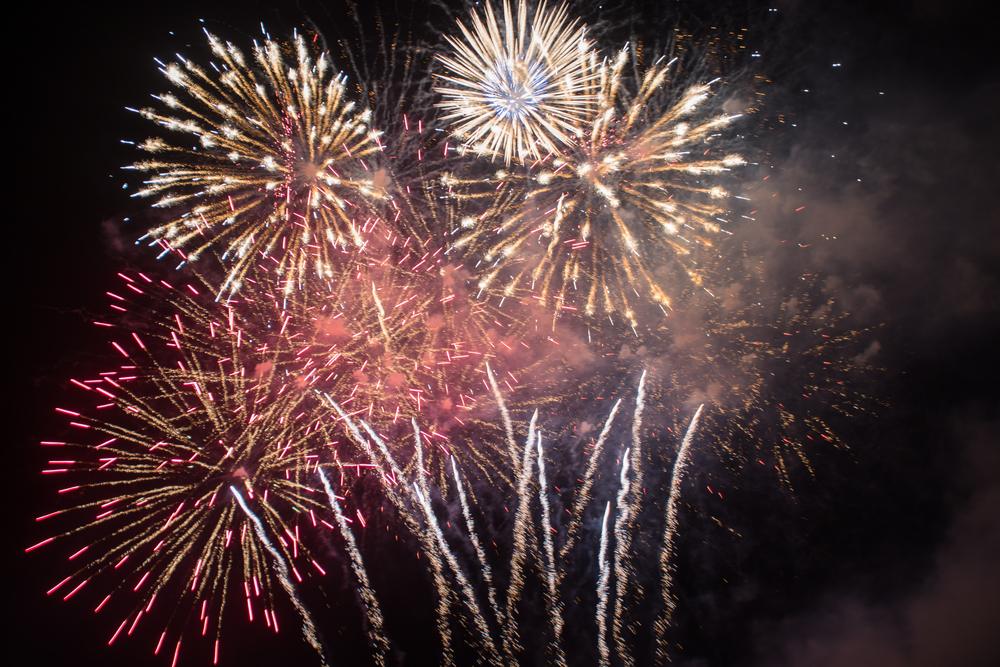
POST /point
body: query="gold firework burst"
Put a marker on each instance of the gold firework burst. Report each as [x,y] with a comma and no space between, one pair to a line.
[189,419]
[272,159]
[625,212]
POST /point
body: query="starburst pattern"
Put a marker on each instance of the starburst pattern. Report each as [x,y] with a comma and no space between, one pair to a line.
[279,162]
[628,210]
[517,87]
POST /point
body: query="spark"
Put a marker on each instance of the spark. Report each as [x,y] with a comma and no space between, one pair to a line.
[277,165]
[632,207]
[670,534]
[516,87]
[308,629]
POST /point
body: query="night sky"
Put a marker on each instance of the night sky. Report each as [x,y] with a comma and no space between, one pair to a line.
[888,556]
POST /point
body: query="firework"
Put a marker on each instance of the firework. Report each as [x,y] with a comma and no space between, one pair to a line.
[670,535]
[517,87]
[780,378]
[370,318]
[220,400]
[267,157]
[188,424]
[391,337]
[534,547]
[626,211]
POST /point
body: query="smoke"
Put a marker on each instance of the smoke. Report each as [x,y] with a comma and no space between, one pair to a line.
[948,617]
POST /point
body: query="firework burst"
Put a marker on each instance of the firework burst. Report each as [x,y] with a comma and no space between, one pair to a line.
[392,335]
[627,210]
[517,87]
[271,159]
[185,482]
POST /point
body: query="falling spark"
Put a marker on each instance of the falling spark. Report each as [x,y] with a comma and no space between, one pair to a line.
[670,536]
[505,415]
[308,629]
[373,611]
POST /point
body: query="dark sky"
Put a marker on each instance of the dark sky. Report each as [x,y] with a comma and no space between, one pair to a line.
[886,558]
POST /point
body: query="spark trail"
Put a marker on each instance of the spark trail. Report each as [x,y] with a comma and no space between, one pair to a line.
[469,595]
[519,554]
[376,632]
[308,629]
[623,517]
[583,495]
[444,594]
[602,592]
[505,416]
[555,606]
[670,536]
[423,499]
[628,508]
[476,544]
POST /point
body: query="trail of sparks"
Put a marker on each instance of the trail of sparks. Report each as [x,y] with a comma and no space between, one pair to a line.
[583,495]
[623,518]
[604,652]
[555,606]
[467,592]
[670,536]
[308,629]
[519,554]
[373,611]
[423,499]
[444,593]
[629,501]
[476,544]
[505,415]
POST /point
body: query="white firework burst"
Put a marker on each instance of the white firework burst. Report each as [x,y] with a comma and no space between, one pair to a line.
[517,87]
